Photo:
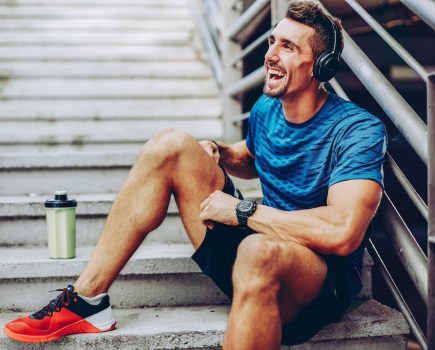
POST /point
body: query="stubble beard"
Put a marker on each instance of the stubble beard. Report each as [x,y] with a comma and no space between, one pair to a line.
[275,93]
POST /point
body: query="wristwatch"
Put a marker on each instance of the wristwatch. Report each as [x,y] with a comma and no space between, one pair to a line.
[244,210]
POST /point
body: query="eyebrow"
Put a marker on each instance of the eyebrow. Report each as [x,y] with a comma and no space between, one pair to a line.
[287,41]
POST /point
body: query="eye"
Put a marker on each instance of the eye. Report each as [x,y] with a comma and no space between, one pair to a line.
[288,47]
[271,41]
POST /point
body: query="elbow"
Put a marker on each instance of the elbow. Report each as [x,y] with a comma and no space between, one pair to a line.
[342,249]
[346,243]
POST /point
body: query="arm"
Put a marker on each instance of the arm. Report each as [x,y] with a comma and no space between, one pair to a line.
[337,228]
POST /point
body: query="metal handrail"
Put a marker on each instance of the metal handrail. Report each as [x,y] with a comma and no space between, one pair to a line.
[407,249]
[246,18]
[207,38]
[251,47]
[401,114]
[406,185]
[425,9]
[250,81]
[397,48]
[403,306]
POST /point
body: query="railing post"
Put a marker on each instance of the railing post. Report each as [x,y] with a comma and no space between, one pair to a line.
[431,205]
[231,107]
[279,8]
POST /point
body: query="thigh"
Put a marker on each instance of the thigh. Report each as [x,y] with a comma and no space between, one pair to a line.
[194,175]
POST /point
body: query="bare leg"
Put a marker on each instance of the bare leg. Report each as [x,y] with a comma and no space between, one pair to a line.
[273,280]
[170,163]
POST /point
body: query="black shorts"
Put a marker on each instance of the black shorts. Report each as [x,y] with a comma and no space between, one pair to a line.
[216,257]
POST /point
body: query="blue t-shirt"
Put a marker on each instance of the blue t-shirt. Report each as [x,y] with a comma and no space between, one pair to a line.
[297,163]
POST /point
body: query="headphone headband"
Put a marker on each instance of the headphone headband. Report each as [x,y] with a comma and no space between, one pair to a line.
[336,39]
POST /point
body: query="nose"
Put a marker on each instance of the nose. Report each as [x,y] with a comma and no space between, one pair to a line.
[271,54]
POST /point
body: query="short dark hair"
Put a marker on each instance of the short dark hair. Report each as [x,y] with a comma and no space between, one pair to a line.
[310,13]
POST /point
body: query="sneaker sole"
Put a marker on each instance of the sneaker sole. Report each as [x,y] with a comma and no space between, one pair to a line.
[81,326]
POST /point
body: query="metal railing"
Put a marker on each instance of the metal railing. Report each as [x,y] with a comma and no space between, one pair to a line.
[238,26]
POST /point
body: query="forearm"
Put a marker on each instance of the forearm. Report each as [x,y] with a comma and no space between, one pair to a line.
[324,229]
[237,161]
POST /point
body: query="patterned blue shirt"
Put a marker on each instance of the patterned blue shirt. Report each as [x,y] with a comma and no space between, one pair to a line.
[297,163]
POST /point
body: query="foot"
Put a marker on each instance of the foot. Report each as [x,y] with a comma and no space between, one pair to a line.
[67,314]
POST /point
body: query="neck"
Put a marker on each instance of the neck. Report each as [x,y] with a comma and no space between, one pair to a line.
[299,109]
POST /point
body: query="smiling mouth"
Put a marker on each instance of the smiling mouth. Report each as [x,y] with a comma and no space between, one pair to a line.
[275,74]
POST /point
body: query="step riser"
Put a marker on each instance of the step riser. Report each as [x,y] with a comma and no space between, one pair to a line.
[33,231]
[86,132]
[211,341]
[131,290]
[370,326]
[57,12]
[105,88]
[105,54]
[102,24]
[126,293]
[106,110]
[89,70]
[75,181]
[22,38]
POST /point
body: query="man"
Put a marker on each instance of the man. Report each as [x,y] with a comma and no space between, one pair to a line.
[291,264]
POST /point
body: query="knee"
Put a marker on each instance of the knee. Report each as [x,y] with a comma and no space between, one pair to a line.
[256,270]
[166,144]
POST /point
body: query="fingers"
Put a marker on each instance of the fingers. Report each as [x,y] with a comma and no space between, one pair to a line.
[211,148]
[219,207]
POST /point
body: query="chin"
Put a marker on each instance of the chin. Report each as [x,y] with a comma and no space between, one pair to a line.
[277,93]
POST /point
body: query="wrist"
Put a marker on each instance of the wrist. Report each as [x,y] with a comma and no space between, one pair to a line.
[244,210]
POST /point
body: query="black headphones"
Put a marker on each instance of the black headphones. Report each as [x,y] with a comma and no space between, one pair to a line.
[326,66]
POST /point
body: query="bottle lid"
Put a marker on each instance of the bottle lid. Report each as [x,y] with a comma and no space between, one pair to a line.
[60,200]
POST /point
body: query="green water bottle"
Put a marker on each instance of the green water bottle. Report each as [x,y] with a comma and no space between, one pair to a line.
[61,223]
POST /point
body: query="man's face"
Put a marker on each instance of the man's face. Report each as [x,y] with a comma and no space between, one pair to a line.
[289,59]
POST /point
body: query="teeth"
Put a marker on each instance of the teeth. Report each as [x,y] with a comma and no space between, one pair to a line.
[276,72]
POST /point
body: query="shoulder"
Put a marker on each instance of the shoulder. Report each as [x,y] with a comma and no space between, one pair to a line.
[349,116]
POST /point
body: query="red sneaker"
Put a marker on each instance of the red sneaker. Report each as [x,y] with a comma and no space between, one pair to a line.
[67,314]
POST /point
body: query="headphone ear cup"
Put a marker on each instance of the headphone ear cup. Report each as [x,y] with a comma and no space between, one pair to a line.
[326,66]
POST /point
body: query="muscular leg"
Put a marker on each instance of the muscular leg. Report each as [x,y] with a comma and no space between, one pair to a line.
[272,280]
[170,163]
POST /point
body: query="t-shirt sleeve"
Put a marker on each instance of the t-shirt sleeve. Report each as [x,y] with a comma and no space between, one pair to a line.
[360,153]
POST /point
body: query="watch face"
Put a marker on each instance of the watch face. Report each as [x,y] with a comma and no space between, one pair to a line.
[245,206]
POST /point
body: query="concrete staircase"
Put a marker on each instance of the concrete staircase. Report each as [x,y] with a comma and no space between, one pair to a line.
[83,84]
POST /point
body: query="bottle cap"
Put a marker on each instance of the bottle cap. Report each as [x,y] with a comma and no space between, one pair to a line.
[60,200]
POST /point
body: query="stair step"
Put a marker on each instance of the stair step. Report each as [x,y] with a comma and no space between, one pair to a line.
[156,275]
[80,10]
[23,222]
[53,89]
[113,109]
[97,24]
[94,70]
[104,132]
[109,3]
[103,54]
[77,173]
[22,218]
[73,38]
[368,325]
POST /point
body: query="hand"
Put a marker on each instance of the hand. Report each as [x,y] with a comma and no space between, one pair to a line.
[212,149]
[219,207]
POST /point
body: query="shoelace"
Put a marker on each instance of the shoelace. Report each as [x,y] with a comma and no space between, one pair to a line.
[55,305]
